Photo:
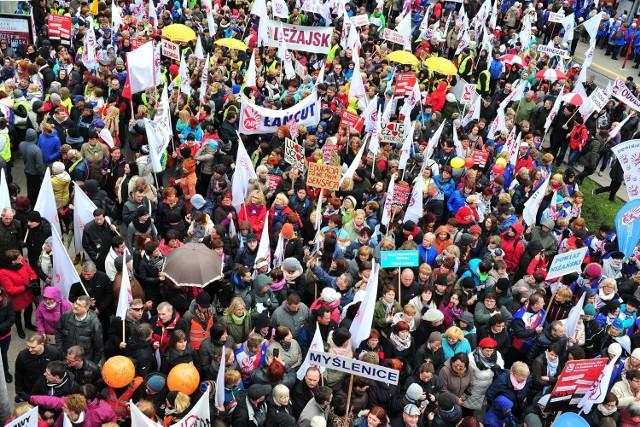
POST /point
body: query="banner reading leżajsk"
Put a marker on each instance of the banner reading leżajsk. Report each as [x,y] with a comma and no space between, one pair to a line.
[628,227]
[297,37]
[628,154]
[258,120]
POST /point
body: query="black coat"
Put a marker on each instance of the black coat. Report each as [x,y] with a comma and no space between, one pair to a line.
[173,357]
[240,416]
[300,396]
[30,367]
[99,288]
[34,243]
[143,355]
[280,416]
[96,242]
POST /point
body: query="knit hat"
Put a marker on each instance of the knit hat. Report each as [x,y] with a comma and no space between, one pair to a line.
[469,282]
[411,409]
[17,93]
[447,401]
[198,201]
[614,349]
[414,392]
[252,237]
[287,230]
[503,284]
[593,270]
[433,315]
[142,211]
[57,168]
[441,279]
[291,264]
[475,229]
[203,300]
[467,318]
[409,226]
[435,336]
[352,200]
[261,281]
[589,310]
[156,383]
[549,223]
[330,295]
[244,225]
[34,216]
[487,343]
[463,212]
[466,239]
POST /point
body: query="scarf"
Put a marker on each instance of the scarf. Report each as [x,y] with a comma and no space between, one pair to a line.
[286,346]
[399,343]
[388,306]
[54,386]
[606,412]
[483,362]
[156,262]
[52,306]
[253,210]
[552,367]
[238,319]
[142,227]
[517,385]
[604,297]
[204,315]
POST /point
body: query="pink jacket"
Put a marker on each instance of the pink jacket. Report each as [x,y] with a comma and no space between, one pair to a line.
[333,307]
[46,319]
[97,413]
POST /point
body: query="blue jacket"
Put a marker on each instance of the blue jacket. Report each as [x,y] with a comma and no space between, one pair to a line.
[606,28]
[462,347]
[499,415]
[502,386]
[345,298]
[50,146]
[427,255]
[447,187]
[472,272]
[456,201]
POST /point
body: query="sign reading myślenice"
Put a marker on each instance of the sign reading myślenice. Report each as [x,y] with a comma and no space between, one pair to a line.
[354,366]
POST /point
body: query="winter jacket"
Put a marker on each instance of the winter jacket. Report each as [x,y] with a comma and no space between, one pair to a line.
[482,379]
[513,247]
[280,416]
[259,376]
[170,217]
[7,318]
[142,354]
[86,333]
[30,367]
[454,383]
[50,146]
[502,386]
[438,97]
[541,343]
[60,184]
[456,201]
[31,154]
[591,156]
[47,319]
[499,415]
[14,281]
[294,321]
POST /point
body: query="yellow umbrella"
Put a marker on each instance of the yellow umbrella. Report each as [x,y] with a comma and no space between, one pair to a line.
[441,65]
[232,44]
[403,57]
[178,33]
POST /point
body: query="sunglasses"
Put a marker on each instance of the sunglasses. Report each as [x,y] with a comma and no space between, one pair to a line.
[137,308]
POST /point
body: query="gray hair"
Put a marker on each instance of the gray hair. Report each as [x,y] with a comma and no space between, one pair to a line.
[634,409]
[279,391]
[164,306]
[89,266]
[76,351]
[5,210]
[85,299]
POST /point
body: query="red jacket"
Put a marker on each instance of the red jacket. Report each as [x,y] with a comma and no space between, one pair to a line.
[256,219]
[15,282]
[524,162]
[513,248]
[578,137]
[438,97]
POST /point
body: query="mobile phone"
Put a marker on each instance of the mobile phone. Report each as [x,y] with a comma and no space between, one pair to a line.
[276,352]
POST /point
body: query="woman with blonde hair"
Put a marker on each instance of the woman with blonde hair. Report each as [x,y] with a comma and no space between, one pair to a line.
[178,405]
[254,211]
[49,143]
[237,320]
[513,384]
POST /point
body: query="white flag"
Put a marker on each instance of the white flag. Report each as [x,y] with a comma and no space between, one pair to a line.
[232,229]
[243,173]
[83,209]
[211,24]
[532,205]
[411,100]
[116,15]
[406,147]
[569,24]
[219,396]
[320,77]
[354,165]
[318,345]
[64,273]
[138,419]
[571,326]
[374,142]
[591,27]
[141,68]
[280,9]
[414,210]
[5,198]
[199,51]
[361,326]
[525,33]
[388,203]
[259,9]
[457,144]
[46,203]
[433,143]
[199,415]
[598,390]
[356,86]
[125,296]
[474,111]
[250,75]
[404,28]
[159,131]
[264,247]
[89,52]
[153,14]
[185,81]
[552,113]
[205,79]
[285,55]
[278,254]
[370,114]
[619,126]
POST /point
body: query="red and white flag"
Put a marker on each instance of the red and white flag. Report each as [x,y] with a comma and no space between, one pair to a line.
[318,345]
[598,390]
[64,273]
[141,68]
[219,396]
[285,55]
[280,9]
[205,79]
[361,326]
[414,210]
[83,209]
[243,173]
[185,81]
[153,15]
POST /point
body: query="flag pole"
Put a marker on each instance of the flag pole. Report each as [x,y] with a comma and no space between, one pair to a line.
[553,297]
[346,413]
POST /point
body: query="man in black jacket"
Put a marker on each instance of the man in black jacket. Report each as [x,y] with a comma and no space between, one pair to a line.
[84,370]
[10,233]
[228,132]
[80,326]
[96,238]
[31,364]
[99,289]
[561,128]
[251,410]
[539,117]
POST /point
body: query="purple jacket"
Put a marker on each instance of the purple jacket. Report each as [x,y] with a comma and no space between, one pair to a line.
[97,412]
[46,318]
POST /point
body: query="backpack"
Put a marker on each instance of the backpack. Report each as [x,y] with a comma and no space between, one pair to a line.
[618,34]
[495,69]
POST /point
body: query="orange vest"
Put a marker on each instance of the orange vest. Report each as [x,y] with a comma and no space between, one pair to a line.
[120,405]
[197,333]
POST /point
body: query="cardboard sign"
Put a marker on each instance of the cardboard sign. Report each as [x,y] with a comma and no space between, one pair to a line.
[294,153]
[393,36]
[360,20]
[274,180]
[598,99]
[353,121]
[307,39]
[354,366]
[170,49]
[399,259]
[323,176]
[401,194]
[552,51]
[404,83]
[567,263]
[59,28]
[577,377]
[468,92]
[393,133]
[556,17]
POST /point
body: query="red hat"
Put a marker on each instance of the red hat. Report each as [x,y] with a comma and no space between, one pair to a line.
[487,343]
[475,229]
[174,70]
[464,212]
[287,230]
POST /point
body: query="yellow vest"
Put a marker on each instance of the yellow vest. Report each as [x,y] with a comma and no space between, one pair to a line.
[463,65]
[5,152]
[479,86]
[332,52]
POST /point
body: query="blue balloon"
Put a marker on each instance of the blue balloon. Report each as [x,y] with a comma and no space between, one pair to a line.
[570,419]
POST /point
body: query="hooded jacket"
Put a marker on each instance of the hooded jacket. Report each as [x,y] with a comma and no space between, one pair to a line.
[47,317]
[438,97]
[499,415]
[513,247]
[31,153]
[50,146]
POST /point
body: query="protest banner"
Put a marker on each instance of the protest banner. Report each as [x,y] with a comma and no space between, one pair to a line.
[323,176]
[567,263]
[274,180]
[399,259]
[353,121]
[258,120]
[622,92]
[401,193]
[28,419]
[404,83]
[136,43]
[574,382]
[326,153]
[354,367]
[556,17]
[468,92]
[16,30]
[360,20]
[59,28]
[628,154]
[480,158]
[170,49]
[293,127]
[393,36]
[628,227]
[598,99]
[392,133]
[552,51]
[294,154]
[296,37]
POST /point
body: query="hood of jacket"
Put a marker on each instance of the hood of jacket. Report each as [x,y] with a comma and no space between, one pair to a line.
[92,188]
[31,136]
[443,229]
[534,248]
[52,292]
[502,405]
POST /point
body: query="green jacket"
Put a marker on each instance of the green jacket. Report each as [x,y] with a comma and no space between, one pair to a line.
[380,315]
[240,333]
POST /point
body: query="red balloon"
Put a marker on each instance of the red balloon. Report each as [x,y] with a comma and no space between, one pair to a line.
[498,168]
[468,162]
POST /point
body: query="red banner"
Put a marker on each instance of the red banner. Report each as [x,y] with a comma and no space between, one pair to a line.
[352,120]
[574,382]
[59,28]
[480,158]
[404,83]
[274,180]
[401,194]
[136,43]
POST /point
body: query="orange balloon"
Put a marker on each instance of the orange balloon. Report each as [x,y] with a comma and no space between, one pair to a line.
[118,371]
[183,377]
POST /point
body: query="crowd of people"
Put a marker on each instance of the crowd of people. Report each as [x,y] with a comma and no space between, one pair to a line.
[476,331]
